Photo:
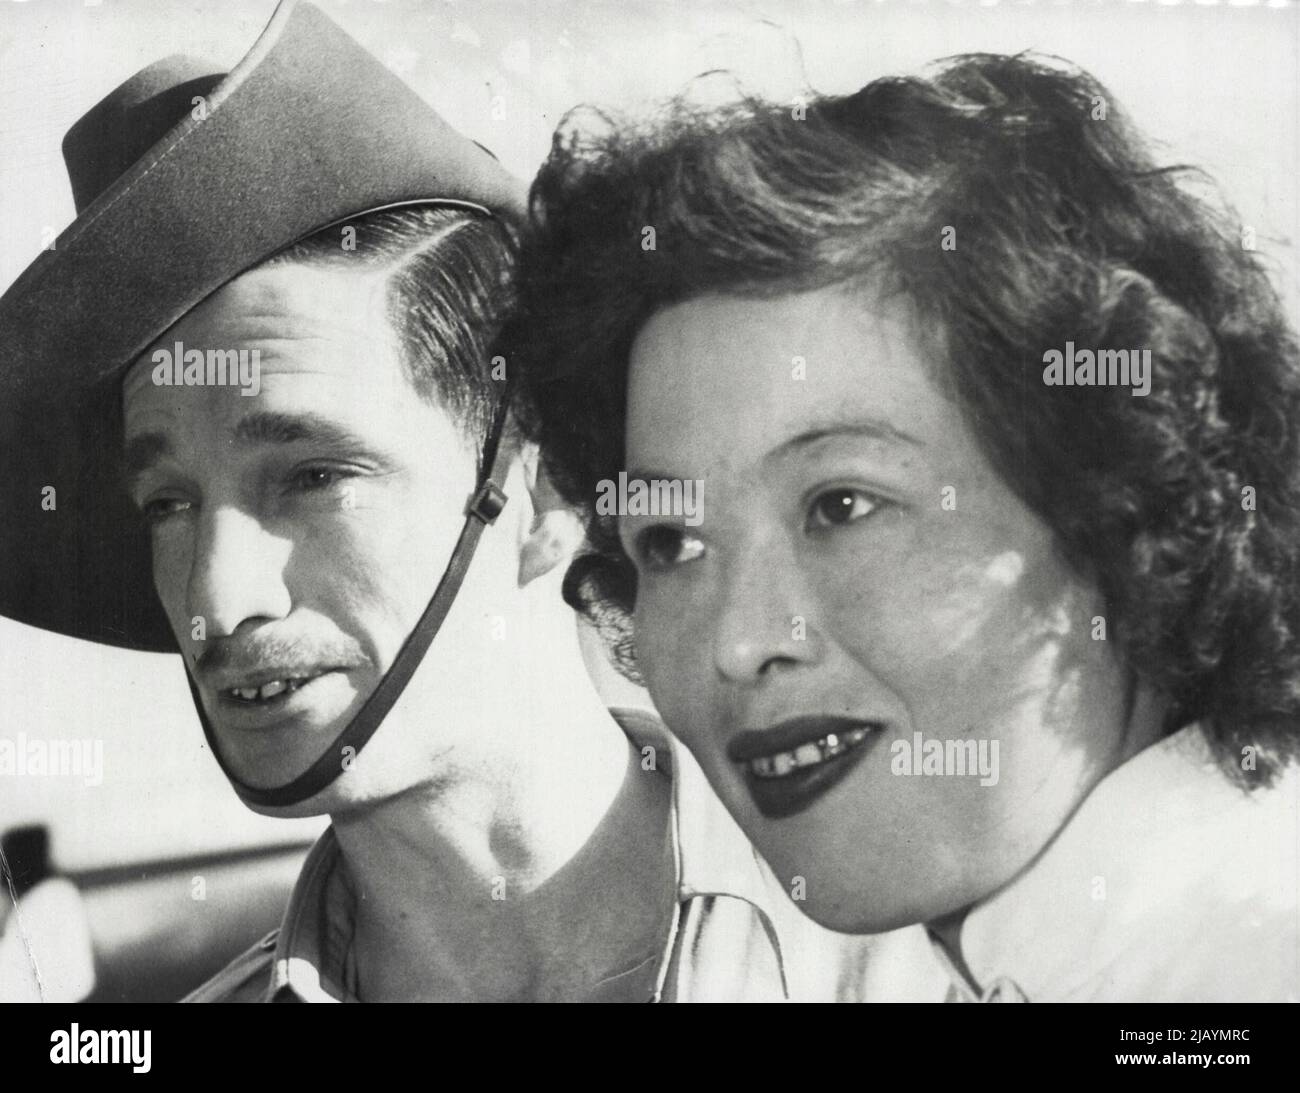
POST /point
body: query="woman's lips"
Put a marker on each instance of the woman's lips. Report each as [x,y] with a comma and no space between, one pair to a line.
[791,764]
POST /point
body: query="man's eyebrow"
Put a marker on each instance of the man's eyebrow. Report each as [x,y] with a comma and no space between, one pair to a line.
[142,452]
[270,427]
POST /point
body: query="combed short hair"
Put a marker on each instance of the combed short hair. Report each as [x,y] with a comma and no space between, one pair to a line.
[1184,504]
[448,275]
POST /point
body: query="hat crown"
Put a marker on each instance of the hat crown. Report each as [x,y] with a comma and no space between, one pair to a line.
[118,130]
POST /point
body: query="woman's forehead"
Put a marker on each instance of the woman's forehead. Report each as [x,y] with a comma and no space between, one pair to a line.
[750,377]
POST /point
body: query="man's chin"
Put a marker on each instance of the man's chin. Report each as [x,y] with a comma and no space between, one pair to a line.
[269,745]
[275,753]
[255,768]
[261,771]
[275,757]
[358,788]
[320,804]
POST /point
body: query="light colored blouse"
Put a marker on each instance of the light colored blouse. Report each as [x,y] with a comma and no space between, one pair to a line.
[1169,884]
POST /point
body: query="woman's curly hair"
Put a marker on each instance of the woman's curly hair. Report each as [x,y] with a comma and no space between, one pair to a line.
[1185,504]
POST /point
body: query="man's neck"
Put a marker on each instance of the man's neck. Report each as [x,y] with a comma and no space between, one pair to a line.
[544,884]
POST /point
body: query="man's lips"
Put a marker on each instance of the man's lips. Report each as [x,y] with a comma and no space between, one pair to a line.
[270,689]
[268,696]
[254,679]
[791,764]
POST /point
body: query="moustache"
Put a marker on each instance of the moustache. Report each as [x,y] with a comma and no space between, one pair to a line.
[289,654]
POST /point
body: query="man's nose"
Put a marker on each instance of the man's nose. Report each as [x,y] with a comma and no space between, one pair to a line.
[237,572]
[765,619]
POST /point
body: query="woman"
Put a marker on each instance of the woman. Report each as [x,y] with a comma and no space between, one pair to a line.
[988,619]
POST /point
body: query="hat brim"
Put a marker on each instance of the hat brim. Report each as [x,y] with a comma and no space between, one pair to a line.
[279,154]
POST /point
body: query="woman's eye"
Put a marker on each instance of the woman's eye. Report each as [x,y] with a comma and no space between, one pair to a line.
[838,507]
[664,546]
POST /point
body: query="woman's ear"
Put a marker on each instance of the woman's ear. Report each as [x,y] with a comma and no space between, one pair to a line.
[556,531]
[555,537]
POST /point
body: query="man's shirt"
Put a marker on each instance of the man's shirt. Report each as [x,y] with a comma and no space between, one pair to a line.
[1168,884]
[735,933]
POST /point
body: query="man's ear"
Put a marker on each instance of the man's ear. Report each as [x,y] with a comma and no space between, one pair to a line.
[556,531]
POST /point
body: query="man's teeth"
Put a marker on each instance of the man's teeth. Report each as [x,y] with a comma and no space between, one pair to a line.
[807,755]
[266,690]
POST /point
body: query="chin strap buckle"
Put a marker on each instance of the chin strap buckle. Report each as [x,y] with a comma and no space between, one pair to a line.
[488,501]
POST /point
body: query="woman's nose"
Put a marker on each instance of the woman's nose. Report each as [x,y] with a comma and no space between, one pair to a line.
[765,618]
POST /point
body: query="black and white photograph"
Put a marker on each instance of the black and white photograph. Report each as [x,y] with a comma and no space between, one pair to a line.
[650,501]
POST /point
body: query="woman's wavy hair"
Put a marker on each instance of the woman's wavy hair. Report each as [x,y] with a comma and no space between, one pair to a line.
[1184,504]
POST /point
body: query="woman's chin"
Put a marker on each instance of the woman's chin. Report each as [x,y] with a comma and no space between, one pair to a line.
[874,901]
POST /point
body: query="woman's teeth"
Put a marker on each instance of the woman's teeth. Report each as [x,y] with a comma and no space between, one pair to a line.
[266,690]
[806,755]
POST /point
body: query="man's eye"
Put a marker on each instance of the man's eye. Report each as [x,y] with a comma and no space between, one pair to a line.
[159,509]
[664,546]
[311,479]
[838,507]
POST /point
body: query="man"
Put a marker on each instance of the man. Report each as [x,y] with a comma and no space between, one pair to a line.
[275,401]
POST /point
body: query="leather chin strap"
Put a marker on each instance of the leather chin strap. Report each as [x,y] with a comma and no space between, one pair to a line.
[485,504]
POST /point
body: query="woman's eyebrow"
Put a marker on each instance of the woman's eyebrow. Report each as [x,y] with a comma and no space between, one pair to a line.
[869,427]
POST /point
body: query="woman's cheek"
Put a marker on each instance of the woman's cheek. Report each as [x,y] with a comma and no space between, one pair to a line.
[673,657]
[657,634]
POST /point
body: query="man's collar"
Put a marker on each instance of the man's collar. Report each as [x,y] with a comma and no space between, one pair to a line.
[313,950]
[712,855]
[313,960]
[714,858]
